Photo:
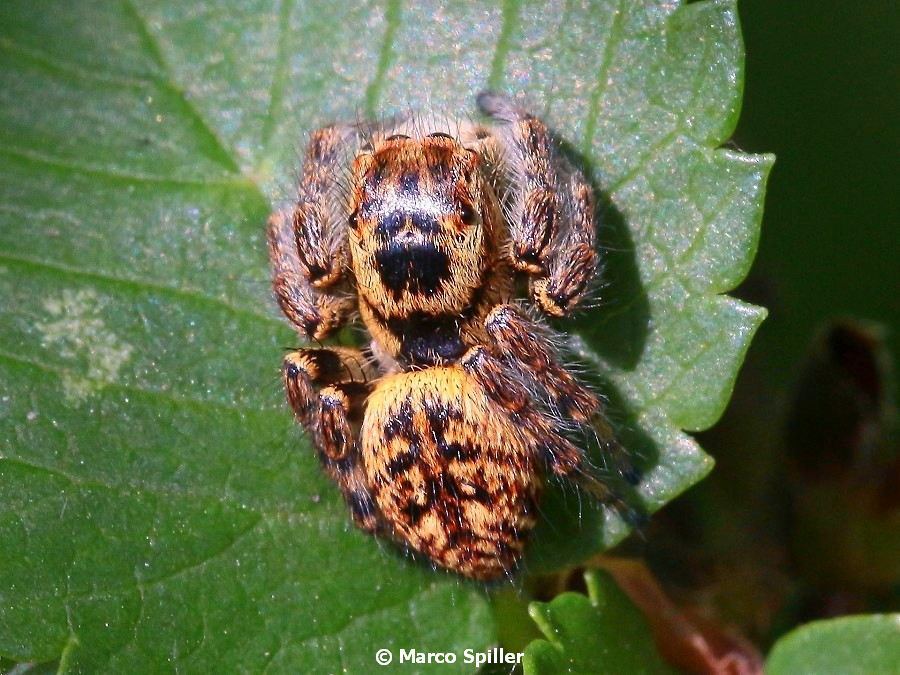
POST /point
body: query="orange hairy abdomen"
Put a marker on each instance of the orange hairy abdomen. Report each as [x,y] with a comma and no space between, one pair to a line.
[449,470]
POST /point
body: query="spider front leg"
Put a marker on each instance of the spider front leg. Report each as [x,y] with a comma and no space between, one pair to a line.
[550,206]
[327,389]
[307,245]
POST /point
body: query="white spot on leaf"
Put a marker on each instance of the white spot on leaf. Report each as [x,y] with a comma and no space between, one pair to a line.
[78,333]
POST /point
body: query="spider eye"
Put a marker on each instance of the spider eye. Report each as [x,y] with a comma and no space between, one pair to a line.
[467,214]
[353,221]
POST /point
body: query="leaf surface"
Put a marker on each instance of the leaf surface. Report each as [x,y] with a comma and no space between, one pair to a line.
[863,645]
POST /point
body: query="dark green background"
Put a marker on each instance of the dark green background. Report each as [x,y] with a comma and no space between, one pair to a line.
[821,93]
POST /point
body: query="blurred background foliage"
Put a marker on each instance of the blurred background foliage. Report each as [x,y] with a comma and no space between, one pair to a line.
[801,518]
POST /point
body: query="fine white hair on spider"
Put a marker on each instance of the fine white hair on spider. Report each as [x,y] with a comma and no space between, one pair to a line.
[448,244]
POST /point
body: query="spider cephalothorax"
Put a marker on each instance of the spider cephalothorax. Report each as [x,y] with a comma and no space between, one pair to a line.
[423,244]
[439,433]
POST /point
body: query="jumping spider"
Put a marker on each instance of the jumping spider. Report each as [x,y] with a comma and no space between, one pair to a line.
[441,432]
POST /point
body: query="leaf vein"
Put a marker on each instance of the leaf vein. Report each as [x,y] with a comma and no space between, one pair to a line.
[644,161]
[156,393]
[510,21]
[57,66]
[393,16]
[387,609]
[279,514]
[141,285]
[280,77]
[218,150]
[616,35]
[200,564]
[114,174]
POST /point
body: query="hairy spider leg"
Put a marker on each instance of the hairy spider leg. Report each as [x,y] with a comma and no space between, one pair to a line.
[550,207]
[327,389]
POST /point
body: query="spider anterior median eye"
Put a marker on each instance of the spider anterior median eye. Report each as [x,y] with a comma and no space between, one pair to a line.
[353,221]
[467,214]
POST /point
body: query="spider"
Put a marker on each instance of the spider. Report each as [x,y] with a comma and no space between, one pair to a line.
[443,430]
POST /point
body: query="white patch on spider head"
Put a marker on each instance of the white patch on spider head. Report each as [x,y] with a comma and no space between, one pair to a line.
[77,332]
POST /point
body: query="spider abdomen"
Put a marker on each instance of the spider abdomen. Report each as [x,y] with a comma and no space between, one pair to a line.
[449,471]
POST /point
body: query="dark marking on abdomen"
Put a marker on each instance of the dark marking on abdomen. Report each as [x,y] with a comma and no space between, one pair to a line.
[403,461]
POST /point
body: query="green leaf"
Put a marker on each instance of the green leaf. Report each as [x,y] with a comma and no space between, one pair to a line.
[602,632]
[867,645]
[161,509]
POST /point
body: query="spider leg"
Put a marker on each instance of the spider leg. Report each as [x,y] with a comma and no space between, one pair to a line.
[327,389]
[502,386]
[307,245]
[521,341]
[312,312]
[521,346]
[550,206]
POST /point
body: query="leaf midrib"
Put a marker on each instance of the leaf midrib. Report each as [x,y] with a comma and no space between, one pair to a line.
[139,284]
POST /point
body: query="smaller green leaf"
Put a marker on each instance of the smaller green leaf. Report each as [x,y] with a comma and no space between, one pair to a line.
[868,645]
[602,632]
